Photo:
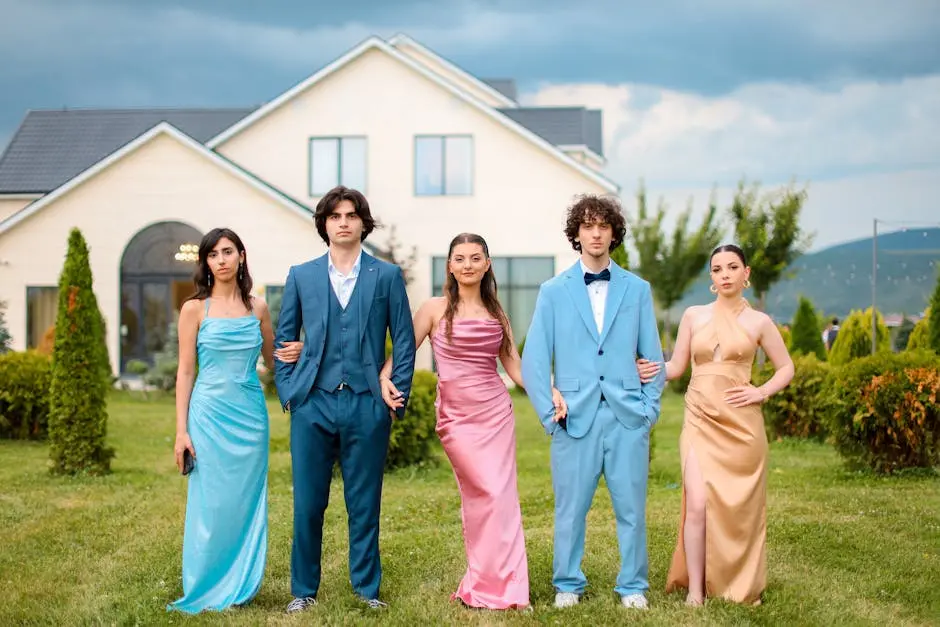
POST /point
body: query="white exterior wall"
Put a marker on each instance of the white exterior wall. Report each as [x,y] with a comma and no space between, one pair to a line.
[520,191]
[11,204]
[448,74]
[163,180]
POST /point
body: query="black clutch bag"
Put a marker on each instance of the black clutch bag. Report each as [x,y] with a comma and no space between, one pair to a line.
[188,462]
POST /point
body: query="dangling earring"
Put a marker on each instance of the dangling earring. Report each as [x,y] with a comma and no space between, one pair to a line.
[747,283]
[713,288]
[209,278]
[241,273]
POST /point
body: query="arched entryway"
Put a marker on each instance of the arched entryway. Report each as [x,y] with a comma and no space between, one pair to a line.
[156,277]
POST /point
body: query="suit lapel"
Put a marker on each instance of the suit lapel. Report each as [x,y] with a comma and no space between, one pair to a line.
[365,285]
[322,276]
[615,293]
[578,292]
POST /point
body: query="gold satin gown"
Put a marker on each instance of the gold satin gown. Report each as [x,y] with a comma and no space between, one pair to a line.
[730,445]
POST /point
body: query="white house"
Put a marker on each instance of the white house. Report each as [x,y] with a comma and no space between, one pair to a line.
[436,150]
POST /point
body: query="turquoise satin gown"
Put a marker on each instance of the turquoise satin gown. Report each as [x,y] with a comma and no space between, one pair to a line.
[226,532]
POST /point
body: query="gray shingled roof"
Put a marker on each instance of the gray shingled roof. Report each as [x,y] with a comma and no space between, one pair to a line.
[562,126]
[50,147]
[505,86]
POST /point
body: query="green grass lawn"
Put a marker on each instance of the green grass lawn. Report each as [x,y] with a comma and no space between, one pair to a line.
[843,548]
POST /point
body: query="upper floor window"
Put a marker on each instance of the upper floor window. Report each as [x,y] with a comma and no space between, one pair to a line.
[443,165]
[337,161]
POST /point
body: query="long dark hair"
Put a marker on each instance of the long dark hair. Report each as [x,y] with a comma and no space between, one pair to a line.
[488,292]
[728,248]
[202,276]
[328,203]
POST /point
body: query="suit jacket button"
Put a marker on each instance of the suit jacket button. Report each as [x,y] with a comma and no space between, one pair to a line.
[600,352]
[602,377]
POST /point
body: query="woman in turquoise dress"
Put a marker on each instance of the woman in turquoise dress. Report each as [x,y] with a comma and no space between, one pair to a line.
[222,422]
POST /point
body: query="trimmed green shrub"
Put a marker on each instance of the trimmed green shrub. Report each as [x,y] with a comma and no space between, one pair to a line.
[903,334]
[920,336]
[162,375]
[5,338]
[78,416]
[884,411]
[798,410]
[933,319]
[413,437]
[806,336]
[854,339]
[24,395]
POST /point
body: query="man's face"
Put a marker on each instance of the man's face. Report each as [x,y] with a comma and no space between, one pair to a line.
[344,226]
[595,235]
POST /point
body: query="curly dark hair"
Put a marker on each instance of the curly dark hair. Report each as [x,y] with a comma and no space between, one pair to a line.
[328,203]
[590,207]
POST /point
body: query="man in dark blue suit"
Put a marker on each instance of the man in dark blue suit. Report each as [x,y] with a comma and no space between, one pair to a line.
[344,302]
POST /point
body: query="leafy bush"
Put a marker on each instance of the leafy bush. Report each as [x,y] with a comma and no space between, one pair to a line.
[885,411]
[162,375]
[5,338]
[903,334]
[798,410]
[854,339]
[806,337]
[24,395]
[78,416]
[920,336]
[413,437]
[933,318]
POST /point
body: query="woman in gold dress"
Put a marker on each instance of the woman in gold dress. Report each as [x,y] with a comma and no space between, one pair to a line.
[720,551]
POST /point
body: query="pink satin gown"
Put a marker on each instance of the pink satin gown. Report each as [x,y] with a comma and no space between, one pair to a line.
[476,426]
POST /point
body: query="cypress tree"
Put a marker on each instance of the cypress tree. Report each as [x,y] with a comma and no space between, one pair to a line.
[806,337]
[78,414]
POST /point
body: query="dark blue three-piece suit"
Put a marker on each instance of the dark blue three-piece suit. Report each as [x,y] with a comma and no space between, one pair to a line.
[336,407]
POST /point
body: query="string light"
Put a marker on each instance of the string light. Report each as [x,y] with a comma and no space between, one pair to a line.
[188,253]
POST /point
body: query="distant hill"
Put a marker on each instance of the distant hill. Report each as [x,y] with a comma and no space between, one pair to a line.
[838,279]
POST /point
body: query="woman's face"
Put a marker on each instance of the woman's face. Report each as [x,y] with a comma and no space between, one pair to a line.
[728,273]
[468,263]
[223,260]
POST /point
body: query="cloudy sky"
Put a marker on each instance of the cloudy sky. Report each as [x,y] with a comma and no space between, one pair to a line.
[840,95]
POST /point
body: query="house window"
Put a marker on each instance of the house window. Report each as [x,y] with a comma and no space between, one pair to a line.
[443,165]
[42,304]
[337,161]
[518,279]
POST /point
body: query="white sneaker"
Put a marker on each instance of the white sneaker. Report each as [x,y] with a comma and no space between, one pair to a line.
[634,600]
[566,599]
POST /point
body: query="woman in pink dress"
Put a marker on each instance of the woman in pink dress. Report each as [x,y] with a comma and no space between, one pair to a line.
[469,332]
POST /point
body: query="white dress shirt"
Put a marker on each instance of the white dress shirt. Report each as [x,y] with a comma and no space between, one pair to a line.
[343,284]
[597,294]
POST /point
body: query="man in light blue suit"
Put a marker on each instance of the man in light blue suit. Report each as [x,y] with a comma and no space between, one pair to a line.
[590,324]
[345,302]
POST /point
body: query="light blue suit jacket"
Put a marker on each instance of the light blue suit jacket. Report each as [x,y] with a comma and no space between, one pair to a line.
[563,336]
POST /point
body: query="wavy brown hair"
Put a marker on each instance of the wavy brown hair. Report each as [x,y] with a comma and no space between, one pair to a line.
[590,207]
[328,203]
[202,277]
[488,292]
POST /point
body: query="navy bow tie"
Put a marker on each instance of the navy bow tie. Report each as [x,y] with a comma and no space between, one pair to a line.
[603,275]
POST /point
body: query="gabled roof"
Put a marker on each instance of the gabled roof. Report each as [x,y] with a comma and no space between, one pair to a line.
[163,128]
[505,86]
[562,126]
[50,147]
[496,92]
[374,43]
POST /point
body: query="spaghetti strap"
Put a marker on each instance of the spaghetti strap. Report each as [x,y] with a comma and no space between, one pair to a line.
[205,314]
